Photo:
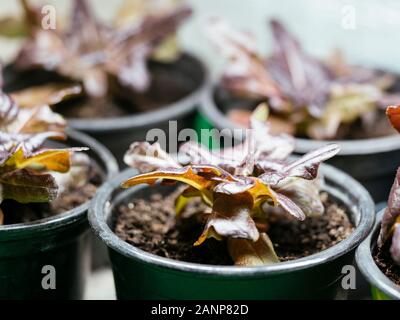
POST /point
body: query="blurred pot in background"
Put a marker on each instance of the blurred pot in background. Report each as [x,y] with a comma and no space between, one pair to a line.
[317,101]
[123,78]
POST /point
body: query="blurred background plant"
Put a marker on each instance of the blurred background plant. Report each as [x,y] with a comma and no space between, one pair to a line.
[366,30]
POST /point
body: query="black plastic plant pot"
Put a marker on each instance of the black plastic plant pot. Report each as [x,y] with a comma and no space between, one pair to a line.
[141,275]
[382,288]
[117,133]
[50,258]
[373,162]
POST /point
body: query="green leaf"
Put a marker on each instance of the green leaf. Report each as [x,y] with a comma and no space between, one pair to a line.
[26,186]
[13,27]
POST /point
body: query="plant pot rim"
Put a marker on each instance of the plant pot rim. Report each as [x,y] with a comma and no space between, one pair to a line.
[169,111]
[368,267]
[100,210]
[348,147]
[69,217]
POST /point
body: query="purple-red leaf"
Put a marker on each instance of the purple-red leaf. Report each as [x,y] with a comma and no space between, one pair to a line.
[89,50]
[146,157]
[395,248]
[299,76]
[289,206]
[245,73]
[392,212]
[27,186]
[306,167]
[230,218]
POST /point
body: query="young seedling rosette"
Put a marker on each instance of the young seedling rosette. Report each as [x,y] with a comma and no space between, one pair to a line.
[242,186]
[92,52]
[313,97]
[390,227]
[29,172]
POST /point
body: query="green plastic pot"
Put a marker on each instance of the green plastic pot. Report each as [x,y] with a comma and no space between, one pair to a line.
[373,162]
[141,275]
[382,288]
[30,251]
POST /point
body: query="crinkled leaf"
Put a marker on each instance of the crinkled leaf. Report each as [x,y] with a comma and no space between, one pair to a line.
[27,186]
[198,177]
[44,49]
[258,190]
[393,113]
[50,94]
[8,110]
[89,50]
[246,253]
[58,160]
[78,175]
[392,212]
[299,76]
[146,157]
[258,146]
[32,120]
[25,166]
[306,167]
[134,12]
[395,247]
[230,217]
[305,194]
[289,206]
[28,143]
[29,112]
[246,73]
[347,103]
[19,151]
[131,49]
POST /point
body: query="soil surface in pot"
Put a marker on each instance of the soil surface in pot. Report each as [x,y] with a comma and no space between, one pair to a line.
[239,110]
[168,85]
[70,198]
[386,264]
[153,227]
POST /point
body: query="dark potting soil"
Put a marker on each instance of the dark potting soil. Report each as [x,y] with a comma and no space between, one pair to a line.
[386,264]
[153,226]
[165,89]
[168,85]
[70,198]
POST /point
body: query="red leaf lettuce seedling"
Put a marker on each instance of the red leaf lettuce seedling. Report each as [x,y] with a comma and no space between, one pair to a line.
[93,52]
[313,97]
[390,227]
[30,172]
[242,186]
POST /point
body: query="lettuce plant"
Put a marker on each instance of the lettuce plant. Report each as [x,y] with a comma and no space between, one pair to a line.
[28,170]
[316,97]
[92,52]
[241,186]
[390,227]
